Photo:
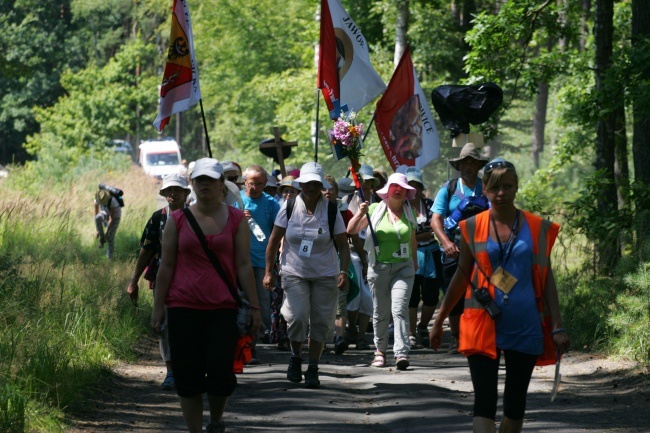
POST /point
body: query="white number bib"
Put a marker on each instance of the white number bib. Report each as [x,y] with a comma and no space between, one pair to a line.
[305,248]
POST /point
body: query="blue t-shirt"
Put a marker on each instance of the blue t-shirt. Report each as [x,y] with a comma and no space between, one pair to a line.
[263,210]
[519,326]
[443,206]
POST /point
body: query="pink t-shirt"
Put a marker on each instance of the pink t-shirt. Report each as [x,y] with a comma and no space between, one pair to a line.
[196,284]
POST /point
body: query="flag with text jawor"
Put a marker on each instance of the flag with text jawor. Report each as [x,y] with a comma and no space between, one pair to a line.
[403,119]
[180,88]
[345,76]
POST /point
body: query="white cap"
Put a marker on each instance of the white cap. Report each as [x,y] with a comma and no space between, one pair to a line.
[207,167]
[310,172]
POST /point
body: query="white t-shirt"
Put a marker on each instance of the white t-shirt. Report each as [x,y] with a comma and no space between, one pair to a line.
[310,235]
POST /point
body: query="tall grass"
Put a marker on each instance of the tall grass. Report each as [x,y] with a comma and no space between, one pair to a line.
[64,314]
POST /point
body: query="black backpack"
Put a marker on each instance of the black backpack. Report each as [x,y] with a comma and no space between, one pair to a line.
[115,192]
[332,209]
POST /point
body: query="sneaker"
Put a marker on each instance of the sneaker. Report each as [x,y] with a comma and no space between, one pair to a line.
[424,336]
[453,346]
[402,362]
[168,384]
[215,427]
[340,345]
[294,372]
[311,377]
[413,342]
[283,345]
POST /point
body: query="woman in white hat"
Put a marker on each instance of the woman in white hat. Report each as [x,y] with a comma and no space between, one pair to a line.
[392,263]
[311,276]
[201,306]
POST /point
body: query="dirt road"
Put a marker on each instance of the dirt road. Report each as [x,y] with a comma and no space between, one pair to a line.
[434,394]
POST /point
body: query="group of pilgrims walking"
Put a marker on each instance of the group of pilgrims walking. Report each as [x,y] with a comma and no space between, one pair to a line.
[320,262]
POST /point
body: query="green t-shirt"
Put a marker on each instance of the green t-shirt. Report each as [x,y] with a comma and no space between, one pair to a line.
[389,241]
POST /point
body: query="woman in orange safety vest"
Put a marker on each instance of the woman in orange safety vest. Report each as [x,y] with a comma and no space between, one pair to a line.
[511,300]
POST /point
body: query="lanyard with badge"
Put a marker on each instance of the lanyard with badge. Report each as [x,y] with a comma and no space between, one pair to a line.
[307,242]
[501,278]
[403,246]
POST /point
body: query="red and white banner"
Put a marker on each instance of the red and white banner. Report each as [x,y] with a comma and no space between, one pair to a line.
[345,76]
[180,88]
[406,129]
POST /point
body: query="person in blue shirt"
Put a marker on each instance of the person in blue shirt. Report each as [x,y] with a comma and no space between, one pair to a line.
[262,209]
[468,163]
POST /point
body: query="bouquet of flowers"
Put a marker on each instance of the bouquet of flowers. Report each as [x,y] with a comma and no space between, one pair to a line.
[346,138]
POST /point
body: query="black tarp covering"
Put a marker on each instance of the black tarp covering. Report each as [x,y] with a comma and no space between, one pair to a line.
[458,106]
[272,152]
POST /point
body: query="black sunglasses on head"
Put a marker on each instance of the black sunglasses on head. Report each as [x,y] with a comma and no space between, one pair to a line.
[497,164]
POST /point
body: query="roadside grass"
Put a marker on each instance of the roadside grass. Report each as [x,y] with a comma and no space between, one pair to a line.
[64,315]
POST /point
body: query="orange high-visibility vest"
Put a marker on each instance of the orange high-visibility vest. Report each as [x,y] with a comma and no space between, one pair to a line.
[477,328]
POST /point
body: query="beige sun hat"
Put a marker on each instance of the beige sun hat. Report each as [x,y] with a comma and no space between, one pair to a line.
[174,179]
[468,151]
[286,181]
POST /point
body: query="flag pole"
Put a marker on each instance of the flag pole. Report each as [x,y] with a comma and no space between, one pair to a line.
[205,129]
[317,125]
[369,125]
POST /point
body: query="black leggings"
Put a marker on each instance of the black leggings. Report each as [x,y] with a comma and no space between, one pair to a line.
[485,377]
[203,344]
[428,288]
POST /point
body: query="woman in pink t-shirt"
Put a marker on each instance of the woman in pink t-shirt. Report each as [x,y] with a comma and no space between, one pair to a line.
[201,310]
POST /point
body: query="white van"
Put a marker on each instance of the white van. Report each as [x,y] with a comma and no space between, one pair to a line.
[159,158]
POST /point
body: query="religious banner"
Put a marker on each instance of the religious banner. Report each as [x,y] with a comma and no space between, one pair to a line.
[345,76]
[180,88]
[406,129]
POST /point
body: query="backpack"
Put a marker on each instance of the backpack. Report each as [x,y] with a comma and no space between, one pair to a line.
[332,209]
[468,206]
[115,192]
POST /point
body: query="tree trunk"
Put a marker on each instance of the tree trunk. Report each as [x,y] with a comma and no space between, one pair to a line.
[621,167]
[641,127]
[584,29]
[469,10]
[401,29]
[539,122]
[606,243]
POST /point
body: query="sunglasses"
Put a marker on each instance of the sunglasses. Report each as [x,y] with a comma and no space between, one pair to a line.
[232,178]
[497,164]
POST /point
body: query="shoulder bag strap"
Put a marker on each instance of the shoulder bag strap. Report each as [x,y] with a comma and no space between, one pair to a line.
[213,258]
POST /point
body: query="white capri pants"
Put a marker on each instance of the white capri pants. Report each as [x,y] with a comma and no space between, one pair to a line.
[309,303]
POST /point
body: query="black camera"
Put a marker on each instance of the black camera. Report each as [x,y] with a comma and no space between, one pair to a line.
[484,298]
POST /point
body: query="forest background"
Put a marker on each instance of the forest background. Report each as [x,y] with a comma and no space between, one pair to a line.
[79,73]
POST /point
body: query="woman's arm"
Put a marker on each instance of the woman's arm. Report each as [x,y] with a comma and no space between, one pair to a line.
[344,255]
[271,253]
[359,220]
[450,248]
[561,339]
[246,277]
[457,288]
[165,273]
